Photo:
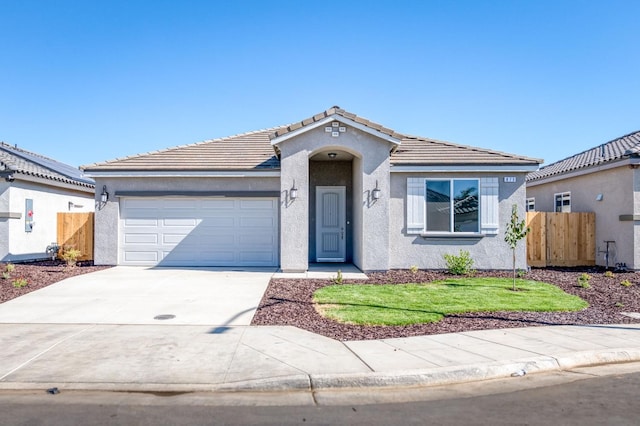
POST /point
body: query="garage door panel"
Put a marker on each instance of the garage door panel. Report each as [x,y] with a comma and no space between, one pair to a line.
[130,238]
[148,222]
[174,221]
[218,204]
[199,232]
[141,256]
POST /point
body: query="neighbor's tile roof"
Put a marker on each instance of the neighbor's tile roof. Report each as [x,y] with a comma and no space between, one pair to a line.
[253,151]
[14,160]
[616,149]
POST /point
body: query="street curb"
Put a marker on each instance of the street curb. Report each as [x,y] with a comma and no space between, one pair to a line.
[396,379]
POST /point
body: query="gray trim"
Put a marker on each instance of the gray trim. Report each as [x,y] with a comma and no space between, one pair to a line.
[229,194]
[10,215]
[476,168]
[629,217]
[453,235]
[183,173]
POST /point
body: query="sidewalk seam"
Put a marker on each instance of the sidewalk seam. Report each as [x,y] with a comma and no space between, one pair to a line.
[33,358]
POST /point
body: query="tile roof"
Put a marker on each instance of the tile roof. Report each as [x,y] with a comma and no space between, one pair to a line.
[253,151]
[336,110]
[247,151]
[422,151]
[14,160]
[617,149]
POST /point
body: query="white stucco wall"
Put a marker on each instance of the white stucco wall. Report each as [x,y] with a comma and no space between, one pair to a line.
[107,216]
[370,229]
[18,245]
[617,188]
[487,252]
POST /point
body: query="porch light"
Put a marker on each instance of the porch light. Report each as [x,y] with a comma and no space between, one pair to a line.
[105,195]
[293,192]
[332,155]
[375,194]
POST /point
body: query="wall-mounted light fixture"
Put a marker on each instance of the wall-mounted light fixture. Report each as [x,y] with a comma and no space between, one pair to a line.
[332,155]
[104,197]
[375,194]
[293,192]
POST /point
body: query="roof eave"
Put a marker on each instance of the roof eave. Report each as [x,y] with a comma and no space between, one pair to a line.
[335,117]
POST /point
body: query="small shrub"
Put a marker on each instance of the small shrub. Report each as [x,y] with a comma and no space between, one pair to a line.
[338,279]
[583,280]
[71,256]
[414,269]
[19,282]
[521,273]
[626,283]
[10,268]
[6,275]
[459,264]
[619,305]
[609,274]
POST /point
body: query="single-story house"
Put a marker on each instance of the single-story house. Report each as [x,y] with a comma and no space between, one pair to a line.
[334,187]
[604,180]
[33,190]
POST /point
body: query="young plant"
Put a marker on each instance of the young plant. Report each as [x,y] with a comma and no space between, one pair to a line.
[609,274]
[414,269]
[516,230]
[6,275]
[583,280]
[460,264]
[71,256]
[9,268]
[626,283]
[338,278]
[19,282]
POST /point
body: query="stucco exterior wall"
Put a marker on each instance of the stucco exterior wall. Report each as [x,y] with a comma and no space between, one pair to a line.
[372,243]
[18,245]
[487,252]
[616,186]
[107,216]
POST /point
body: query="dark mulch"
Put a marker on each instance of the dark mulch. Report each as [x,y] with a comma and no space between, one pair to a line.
[40,274]
[289,302]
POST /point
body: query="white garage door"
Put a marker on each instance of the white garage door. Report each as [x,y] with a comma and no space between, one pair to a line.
[199,231]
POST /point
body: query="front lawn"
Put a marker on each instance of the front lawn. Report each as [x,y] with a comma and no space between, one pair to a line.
[405,304]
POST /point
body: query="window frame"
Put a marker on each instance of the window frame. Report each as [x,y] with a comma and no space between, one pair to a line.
[530,204]
[564,196]
[452,231]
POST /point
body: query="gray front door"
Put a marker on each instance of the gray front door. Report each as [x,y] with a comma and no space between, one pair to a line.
[330,224]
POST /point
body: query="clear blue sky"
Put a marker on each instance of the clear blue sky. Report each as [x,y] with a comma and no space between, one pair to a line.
[87,81]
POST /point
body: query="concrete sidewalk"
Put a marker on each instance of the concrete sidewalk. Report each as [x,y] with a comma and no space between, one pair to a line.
[181,358]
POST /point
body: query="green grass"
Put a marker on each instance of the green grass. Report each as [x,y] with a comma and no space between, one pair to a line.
[404,304]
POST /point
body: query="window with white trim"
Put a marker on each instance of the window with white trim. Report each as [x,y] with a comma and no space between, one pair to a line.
[452,206]
[531,204]
[563,202]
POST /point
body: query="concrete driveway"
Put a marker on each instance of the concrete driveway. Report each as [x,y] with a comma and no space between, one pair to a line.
[139,295]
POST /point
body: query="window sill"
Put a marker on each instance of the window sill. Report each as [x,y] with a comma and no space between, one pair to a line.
[453,235]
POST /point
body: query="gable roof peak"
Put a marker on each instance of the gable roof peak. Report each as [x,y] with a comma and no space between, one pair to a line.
[318,119]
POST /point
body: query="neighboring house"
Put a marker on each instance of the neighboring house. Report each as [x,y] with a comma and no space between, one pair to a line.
[332,188]
[33,189]
[604,180]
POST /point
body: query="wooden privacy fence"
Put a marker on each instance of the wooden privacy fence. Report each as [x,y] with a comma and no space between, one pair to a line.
[75,230]
[561,239]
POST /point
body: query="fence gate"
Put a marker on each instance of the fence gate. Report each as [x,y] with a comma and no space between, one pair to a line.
[75,230]
[561,239]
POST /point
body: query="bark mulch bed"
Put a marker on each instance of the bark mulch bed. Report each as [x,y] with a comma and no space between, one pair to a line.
[40,274]
[289,302]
